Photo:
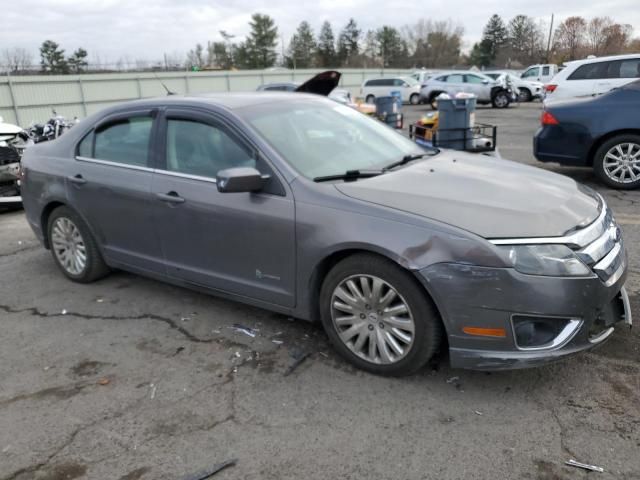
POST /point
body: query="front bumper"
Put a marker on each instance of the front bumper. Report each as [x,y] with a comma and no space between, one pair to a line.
[472,296]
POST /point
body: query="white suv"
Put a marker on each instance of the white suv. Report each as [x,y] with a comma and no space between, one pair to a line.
[593,76]
[382,87]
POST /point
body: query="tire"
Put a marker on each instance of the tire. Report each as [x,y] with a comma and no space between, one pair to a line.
[500,100]
[525,95]
[414,99]
[370,99]
[623,147]
[421,315]
[432,100]
[67,225]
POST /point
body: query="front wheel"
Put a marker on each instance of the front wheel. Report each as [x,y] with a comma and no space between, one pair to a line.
[74,249]
[617,162]
[414,99]
[370,99]
[525,95]
[501,100]
[378,317]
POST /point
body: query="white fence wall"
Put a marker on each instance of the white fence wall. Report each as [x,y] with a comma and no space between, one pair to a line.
[29,99]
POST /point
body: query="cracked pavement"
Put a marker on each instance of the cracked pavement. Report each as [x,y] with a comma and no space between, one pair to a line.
[129,378]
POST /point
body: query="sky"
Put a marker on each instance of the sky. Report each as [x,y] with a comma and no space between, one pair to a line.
[111,29]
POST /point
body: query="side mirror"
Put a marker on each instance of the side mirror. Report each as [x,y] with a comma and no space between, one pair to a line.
[486,82]
[240,179]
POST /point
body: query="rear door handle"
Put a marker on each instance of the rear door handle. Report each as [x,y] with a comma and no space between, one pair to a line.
[171,197]
[77,179]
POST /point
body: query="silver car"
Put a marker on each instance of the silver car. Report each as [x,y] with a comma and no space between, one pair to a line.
[303,206]
[486,89]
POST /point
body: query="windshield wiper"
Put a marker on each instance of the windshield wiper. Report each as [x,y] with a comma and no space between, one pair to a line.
[410,158]
[350,175]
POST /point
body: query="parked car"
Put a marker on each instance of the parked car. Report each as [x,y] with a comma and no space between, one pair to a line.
[486,89]
[324,83]
[527,90]
[382,87]
[593,76]
[601,132]
[13,141]
[540,73]
[305,207]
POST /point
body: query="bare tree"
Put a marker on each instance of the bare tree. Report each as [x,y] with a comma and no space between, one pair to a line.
[17,59]
[434,43]
[570,38]
[597,34]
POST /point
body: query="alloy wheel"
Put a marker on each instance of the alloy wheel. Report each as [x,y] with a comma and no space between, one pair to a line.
[501,100]
[372,319]
[68,246]
[622,163]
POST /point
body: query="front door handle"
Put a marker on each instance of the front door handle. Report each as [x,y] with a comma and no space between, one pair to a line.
[171,197]
[77,179]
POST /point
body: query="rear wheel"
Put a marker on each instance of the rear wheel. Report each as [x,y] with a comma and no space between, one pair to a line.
[414,99]
[74,249]
[370,99]
[500,100]
[378,317]
[617,162]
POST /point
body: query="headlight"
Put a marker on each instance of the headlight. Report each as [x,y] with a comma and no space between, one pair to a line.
[549,260]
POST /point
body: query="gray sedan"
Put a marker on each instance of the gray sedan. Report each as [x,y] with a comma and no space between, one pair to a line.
[297,204]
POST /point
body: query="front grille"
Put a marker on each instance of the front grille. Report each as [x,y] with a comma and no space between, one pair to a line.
[601,248]
[8,155]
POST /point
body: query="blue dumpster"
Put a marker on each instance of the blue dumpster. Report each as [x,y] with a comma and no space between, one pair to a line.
[454,123]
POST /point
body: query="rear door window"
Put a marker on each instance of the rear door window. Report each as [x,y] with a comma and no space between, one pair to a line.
[473,79]
[455,78]
[545,71]
[591,71]
[125,141]
[628,68]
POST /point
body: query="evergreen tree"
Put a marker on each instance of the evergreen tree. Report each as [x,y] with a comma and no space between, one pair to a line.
[494,36]
[302,47]
[78,61]
[52,58]
[326,50]
[348,43]
[260,46]
[391,47]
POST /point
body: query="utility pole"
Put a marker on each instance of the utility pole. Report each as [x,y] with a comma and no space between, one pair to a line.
[549,40]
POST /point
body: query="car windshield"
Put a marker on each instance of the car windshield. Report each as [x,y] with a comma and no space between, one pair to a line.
[321,138]
[410,80]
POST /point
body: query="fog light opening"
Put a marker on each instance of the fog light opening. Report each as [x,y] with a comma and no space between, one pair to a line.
[534,333]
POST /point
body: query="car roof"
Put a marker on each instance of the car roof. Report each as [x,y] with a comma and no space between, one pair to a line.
[603,59]
[229,101]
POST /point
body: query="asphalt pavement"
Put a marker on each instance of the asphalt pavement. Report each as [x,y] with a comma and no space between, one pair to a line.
[129,378]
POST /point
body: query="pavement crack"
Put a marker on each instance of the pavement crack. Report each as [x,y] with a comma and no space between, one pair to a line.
[173,324]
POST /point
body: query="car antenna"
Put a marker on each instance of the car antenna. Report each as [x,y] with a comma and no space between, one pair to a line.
[169,92]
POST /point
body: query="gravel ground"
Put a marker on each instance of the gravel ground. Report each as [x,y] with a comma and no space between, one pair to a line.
[130,379]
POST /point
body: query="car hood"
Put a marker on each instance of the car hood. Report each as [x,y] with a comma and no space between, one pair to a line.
[322,84]
[490,197]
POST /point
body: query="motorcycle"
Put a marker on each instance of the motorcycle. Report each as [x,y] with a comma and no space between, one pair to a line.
[13,141]
[51,130]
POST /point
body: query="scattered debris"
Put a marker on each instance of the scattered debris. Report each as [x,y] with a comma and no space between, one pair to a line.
[104,381]
[153,390]
[237,354]
[277,342]
[99,300]
[453,379]
[324,354]
[242,329]
[298,358]
[184,319]
[64,311]
[204,474]
[216,331]
[478,412]
[6,449]
[593,468]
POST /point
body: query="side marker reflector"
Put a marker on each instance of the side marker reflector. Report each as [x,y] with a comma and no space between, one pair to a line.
[485,332]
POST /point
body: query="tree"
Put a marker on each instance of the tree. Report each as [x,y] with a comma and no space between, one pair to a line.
[391,47]
[78,61]
[195,57]
[434,44]
[371,49]
[494,37]
[259,49]
[596,34]
[525,41]
[481,54]
[348,43]
[302,47]
[326,47]
[52,58]
[569,39]
[617,38]
[17,59]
